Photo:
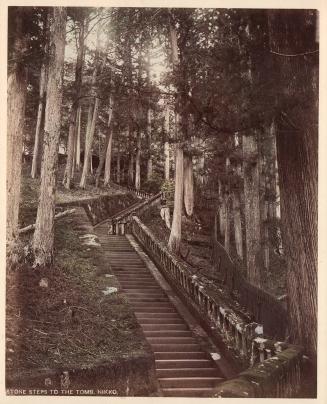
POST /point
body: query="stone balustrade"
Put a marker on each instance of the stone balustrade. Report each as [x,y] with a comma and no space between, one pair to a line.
[246,339]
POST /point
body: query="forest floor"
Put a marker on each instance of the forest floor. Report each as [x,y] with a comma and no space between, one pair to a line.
[30,193]
[61,317]
[196,250]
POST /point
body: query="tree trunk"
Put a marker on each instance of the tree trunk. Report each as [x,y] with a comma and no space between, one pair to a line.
[107,168]
[222,209]
[297,153]
[252,208]
[16,100]
[88,145]
[138,162]
[149,162]
[188,185]
[37,151]
[92,115]
[238,233]
[118,164]
[78,139]
[38,140]
[166,146]
[106,144]
[44,226]
[131,169]
[72,133]
[227,226]
[176,226]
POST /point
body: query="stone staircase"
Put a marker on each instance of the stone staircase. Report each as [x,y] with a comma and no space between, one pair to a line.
[184,368]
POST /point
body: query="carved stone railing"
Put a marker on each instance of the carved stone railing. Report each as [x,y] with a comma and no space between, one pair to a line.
[119,224]
[245,338]
[264,307]
[138,192]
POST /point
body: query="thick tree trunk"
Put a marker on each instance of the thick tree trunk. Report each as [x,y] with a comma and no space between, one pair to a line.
[252,208]
[131,169]
[88,145]
[297,153]
[227,226]
[118,165]
[92,114]
[38,140]
[221,209]
[176,226]
[106,144]
[149,162]
[44,226]
[16,100]
[138,162]
[37,151]
[107,167]
[78,140]
[188,185]
[166,145]
[238,233]
[72,133]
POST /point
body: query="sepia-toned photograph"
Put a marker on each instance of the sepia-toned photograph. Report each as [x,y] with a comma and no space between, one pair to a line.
[161,202]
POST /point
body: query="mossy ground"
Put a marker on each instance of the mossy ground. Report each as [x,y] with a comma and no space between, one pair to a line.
[70,323]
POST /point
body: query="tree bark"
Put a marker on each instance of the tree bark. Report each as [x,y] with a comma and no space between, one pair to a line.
[92,115]
[149,162]
[78,140]
[118,164]
[222,209]
[176,226]
[37,151]
[44,226]
[138,162]
[227,226]
[107,168]
[238,233]
[107,140]
[69,171]
[252,208]
[188,185]
[166,145]
[88,145]
[297,153]
[131,169]
[16,100]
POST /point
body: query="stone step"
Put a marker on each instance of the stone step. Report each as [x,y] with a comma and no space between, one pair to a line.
[143,294]
[160,320]
[171,340]
[144,286]
[168,327]
[183,363]
[200,355]
[156,305]
[188,392]
[182,382]
[164,333]
[154,310]
[176,348]
[188,372]
[146,291]
[156,315]
[133,299]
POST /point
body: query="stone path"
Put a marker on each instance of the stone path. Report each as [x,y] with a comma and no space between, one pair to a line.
[186,361]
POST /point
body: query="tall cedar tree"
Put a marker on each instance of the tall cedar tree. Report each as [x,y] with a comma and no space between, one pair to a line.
[44,227]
